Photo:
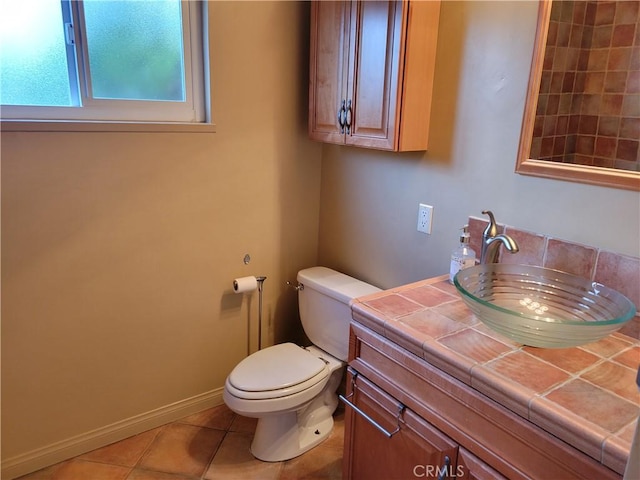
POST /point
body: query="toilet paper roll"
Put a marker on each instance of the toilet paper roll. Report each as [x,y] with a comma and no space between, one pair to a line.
[245,284]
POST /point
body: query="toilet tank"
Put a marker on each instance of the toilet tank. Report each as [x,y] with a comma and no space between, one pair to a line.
[324,307]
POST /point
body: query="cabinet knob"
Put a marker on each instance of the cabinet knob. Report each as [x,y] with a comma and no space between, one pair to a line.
[444,472]
[348,117]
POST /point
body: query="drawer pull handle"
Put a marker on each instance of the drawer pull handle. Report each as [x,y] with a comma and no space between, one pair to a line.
[342,112]
[384,431]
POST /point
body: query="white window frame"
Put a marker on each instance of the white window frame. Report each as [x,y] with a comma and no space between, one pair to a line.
[116,114]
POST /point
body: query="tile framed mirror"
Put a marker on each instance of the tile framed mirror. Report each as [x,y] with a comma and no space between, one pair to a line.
[582,113]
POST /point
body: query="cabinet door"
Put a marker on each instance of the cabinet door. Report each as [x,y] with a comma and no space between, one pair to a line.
[330,27]
[471,467]
[416,450]
[376,28]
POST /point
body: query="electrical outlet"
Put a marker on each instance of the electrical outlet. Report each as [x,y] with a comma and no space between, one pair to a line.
[425,217]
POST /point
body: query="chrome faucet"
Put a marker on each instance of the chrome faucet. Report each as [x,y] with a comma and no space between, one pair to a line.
[491,241]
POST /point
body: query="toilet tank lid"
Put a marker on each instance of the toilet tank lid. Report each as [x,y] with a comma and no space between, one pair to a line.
[335,284]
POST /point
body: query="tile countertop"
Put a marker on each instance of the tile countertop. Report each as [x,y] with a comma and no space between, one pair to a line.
[586,396]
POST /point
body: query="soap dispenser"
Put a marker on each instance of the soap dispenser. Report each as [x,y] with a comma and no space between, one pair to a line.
[463,256]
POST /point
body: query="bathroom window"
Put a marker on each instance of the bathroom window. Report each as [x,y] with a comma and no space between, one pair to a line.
[102,60]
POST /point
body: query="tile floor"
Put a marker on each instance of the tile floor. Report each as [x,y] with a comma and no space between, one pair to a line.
[210,445]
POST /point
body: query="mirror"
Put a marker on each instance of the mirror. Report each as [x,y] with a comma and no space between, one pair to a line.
[582,113]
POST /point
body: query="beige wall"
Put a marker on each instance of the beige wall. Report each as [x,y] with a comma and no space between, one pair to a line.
[370,199]
[119,249]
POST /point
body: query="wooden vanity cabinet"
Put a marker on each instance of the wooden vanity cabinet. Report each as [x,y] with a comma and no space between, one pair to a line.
[371,72]
[441,417]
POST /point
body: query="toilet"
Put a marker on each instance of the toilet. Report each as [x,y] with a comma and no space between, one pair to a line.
[291,390]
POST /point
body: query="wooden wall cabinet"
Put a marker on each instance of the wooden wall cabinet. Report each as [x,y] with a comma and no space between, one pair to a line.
[447,429]
[372,66]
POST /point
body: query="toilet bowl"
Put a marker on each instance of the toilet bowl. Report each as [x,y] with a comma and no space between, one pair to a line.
[296,410]
[291,389]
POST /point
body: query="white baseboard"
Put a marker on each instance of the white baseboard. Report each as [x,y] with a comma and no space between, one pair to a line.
[71,447]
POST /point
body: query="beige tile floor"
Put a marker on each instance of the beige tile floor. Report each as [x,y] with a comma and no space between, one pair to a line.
[210,445]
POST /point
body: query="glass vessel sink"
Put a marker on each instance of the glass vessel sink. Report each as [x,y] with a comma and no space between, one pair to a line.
[541,307]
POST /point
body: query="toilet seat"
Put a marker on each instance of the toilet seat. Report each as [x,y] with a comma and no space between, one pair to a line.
[275,372]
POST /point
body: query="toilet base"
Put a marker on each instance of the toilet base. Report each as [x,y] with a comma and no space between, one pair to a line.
[281,438]
[287,435]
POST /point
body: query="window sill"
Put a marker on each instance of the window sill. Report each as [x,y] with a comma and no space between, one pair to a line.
[85,126]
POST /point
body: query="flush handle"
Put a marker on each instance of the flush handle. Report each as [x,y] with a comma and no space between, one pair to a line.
[297,287]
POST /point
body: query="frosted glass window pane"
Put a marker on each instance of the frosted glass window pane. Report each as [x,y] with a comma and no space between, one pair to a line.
[33,55]
[135,49]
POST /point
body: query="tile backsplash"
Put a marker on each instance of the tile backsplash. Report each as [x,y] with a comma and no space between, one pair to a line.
[620,272]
